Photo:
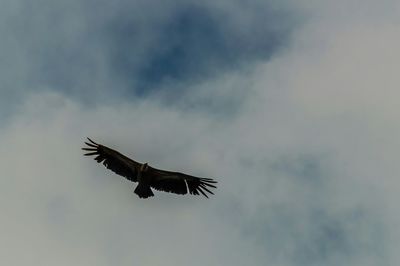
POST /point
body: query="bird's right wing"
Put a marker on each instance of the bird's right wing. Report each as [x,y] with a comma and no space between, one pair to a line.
[175,182]
[113,160]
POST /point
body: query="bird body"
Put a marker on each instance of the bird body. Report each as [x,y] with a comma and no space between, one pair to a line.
[147,176]
[143,189]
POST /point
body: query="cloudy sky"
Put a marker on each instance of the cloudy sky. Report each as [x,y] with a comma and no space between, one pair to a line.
[292,106]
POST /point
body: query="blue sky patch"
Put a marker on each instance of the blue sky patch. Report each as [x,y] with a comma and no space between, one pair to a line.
[194,44]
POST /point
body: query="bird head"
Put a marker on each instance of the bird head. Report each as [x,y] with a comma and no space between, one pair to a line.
[144,167]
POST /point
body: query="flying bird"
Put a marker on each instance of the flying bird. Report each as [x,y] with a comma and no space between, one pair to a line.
[148,177]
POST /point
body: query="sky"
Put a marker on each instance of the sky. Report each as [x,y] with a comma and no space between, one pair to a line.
[292,106]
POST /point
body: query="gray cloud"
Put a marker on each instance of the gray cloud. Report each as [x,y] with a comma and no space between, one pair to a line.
[304,146]
[95,51]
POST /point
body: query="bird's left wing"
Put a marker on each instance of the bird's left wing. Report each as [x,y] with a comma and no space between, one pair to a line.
[179,183]
[113,160]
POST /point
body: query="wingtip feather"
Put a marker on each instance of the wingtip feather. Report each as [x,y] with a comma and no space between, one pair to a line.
[202,192]
[92,141]
[90,153]
[206,189]
[209,185]
[208,180]
[91,145]
[89,149]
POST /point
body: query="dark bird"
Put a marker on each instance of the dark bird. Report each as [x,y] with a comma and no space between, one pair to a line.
[147,176]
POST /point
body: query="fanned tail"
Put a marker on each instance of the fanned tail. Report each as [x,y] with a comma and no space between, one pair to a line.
[143,191]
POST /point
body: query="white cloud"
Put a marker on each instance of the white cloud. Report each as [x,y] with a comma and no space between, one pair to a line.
[307,166]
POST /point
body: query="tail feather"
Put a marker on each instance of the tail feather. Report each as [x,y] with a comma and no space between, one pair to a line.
[143,191]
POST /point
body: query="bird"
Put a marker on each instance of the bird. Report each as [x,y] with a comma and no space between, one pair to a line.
[146,176]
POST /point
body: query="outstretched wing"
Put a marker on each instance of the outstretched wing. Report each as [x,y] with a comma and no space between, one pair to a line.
[179,183]
[113,160]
